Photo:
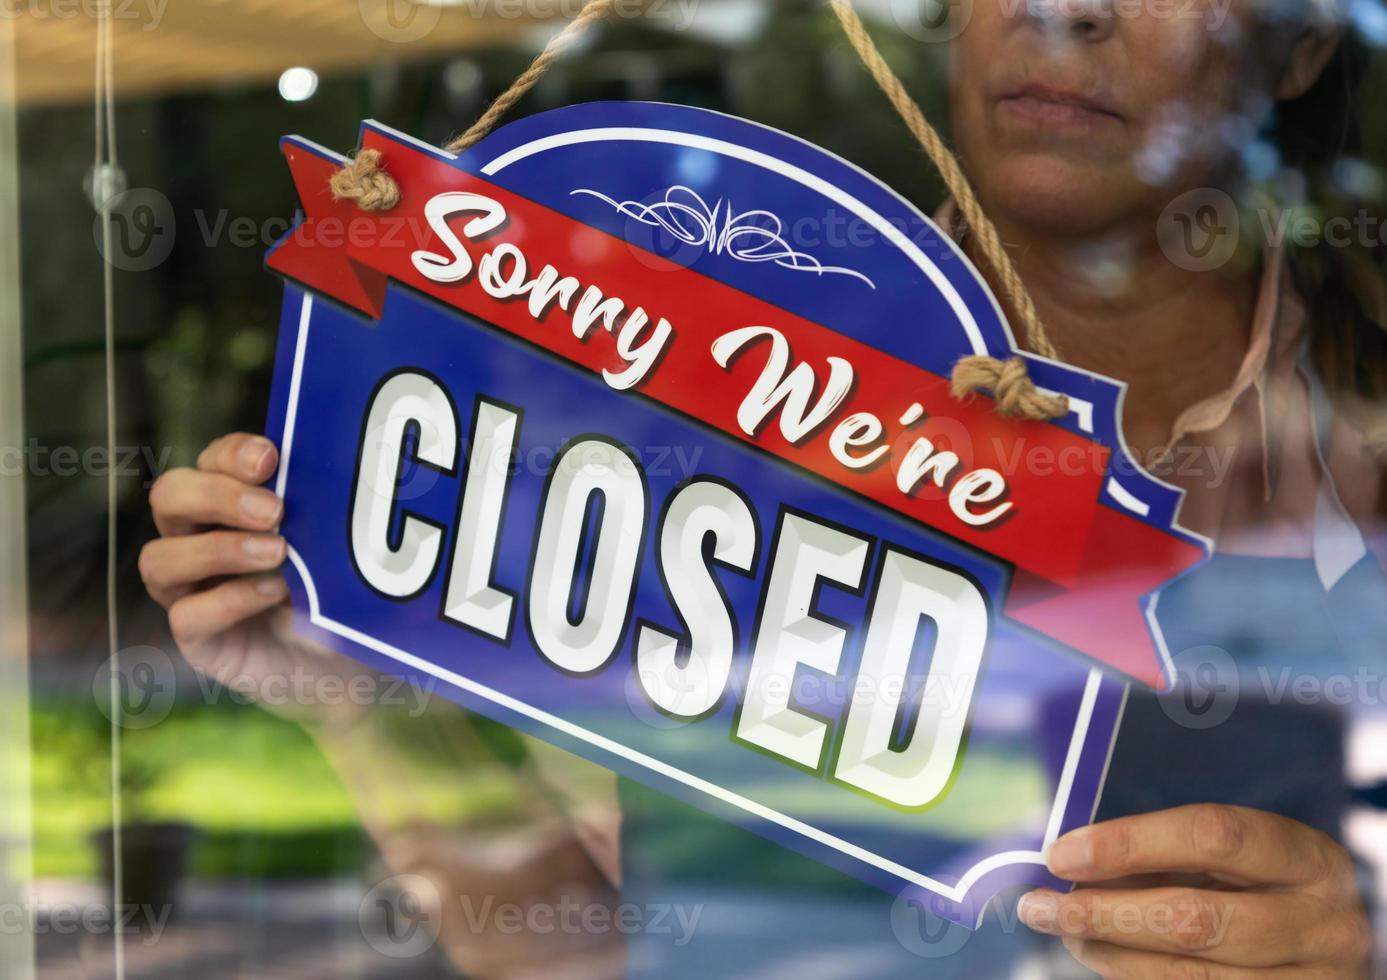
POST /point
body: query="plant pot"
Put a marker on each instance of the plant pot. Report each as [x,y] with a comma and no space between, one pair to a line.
[154,862]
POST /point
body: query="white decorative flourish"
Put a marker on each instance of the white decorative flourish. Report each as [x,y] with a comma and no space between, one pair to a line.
[747,236]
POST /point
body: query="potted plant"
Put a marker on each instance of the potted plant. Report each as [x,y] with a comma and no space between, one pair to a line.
[154,853]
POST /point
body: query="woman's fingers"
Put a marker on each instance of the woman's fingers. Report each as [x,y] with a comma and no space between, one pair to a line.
[1234,844]
[1301,907]
[223,490]
[1110,961]
[202,616]
[185,501]
[173,567]
[249,458]
[224,493]
[1232,928]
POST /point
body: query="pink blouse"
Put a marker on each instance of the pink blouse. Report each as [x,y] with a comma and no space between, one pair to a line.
[1268,468]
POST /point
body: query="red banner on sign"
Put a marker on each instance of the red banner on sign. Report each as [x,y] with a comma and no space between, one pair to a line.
[1083,568]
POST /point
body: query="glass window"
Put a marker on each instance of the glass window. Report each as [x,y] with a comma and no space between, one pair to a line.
[248,803]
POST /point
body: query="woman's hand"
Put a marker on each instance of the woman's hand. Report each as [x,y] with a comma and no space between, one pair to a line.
[1205,892]
[215,569]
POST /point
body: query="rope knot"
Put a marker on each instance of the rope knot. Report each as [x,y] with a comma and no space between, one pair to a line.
[1011,386]
[366,182]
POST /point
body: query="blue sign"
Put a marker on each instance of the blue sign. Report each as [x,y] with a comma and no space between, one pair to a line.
[630,428]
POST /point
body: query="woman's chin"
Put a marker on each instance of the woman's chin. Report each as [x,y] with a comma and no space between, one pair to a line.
[1058,196]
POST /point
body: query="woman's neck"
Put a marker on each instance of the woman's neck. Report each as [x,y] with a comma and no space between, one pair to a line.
[1118,307]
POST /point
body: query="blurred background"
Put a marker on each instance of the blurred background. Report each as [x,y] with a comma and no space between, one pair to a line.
[242,813]
[233,813]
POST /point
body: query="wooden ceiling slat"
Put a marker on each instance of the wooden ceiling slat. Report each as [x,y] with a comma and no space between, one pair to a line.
[203,43]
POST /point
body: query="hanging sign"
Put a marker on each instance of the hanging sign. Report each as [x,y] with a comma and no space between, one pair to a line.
[631,427]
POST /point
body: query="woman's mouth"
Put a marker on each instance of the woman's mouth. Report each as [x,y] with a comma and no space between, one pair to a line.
[1052,107]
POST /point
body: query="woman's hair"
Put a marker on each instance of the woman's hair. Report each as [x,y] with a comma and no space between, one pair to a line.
[1341,281]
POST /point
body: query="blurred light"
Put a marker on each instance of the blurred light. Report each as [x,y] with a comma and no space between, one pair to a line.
[1260,159]
[1357,178]
[385,84]
[1370,19]
[298,84]
[1290,187]
[1160,157]
[1109,274]
[1237,130]
[696,167]
[462,78]
[723,21]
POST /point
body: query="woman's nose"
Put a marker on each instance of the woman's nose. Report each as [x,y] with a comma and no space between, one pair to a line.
[1077,20]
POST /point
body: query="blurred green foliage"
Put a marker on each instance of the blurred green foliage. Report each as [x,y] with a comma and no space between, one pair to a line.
[265,801]
[195,342]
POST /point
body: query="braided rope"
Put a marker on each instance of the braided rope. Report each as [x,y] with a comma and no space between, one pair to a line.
[365,181]
[592,12]
[1008,380]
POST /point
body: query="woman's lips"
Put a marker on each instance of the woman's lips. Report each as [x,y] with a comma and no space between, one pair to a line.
[1056,108]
